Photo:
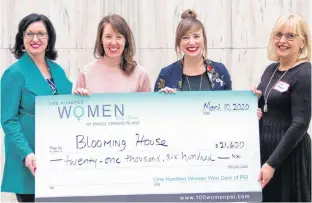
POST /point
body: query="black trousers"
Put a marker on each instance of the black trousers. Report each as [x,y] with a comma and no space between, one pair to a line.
[25,197]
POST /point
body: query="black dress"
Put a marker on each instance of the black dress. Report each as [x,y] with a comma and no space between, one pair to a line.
[284,142]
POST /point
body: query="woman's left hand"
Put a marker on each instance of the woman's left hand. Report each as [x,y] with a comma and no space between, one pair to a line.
[259,113]
[266,174]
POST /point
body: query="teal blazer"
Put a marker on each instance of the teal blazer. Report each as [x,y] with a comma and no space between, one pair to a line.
[20,84]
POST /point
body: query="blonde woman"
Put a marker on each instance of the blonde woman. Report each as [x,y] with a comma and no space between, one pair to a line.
[286,103]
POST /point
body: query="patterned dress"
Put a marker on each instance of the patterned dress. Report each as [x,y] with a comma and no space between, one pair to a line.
[284,142]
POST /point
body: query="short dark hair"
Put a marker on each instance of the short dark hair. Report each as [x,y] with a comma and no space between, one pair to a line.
[24,23]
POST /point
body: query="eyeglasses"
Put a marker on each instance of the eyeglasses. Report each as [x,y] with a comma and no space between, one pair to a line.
[40,35]
[288,36]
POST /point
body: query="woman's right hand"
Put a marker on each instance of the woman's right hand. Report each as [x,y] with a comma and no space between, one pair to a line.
[82,92]
[168,90]
[30,163]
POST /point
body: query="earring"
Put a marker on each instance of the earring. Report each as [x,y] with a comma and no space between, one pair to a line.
[47,48]
[23,48]
[300,50]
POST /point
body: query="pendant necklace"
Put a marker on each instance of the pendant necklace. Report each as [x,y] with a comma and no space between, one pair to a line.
[266,96]
[200,84]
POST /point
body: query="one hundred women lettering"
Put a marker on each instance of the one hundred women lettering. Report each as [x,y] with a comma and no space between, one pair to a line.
[91,111]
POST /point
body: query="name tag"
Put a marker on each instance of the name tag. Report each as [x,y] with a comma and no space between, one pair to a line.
[281,86]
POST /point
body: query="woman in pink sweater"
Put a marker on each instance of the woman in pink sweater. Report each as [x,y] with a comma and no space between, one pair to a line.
[115,70]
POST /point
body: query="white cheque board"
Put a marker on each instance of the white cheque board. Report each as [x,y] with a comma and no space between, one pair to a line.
[190,146]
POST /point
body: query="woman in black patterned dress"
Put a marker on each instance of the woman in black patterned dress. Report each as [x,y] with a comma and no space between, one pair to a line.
[286,103]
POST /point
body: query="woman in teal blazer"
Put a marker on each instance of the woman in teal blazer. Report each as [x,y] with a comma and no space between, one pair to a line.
[34,74]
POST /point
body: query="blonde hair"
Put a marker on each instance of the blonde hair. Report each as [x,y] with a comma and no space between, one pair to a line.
[189,22]
[300,27]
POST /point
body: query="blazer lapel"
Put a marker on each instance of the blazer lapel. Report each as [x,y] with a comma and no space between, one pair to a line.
[60,81]
[214,78]
[177,72]
[34,80]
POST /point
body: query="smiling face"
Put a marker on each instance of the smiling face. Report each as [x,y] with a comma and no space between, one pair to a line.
[113,42]
[192,43]
[290,39]
[36,38]
[287,42]
[191,38]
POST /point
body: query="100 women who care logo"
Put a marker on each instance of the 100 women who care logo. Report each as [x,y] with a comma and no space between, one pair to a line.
[78,109]
[114,113]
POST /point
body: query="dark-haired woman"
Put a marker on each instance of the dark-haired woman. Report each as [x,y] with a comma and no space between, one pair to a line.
[114,69]
[34,74]
[193,71]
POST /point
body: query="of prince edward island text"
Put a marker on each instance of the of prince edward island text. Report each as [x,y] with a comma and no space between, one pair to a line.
[148,147]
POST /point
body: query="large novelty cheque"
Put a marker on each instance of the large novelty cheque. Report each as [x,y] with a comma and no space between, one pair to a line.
[189,146]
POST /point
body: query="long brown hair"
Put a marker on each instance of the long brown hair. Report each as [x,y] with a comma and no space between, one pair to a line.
[120,26]
[188,23]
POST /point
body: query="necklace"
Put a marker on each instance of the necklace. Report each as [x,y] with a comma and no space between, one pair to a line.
[266,96]
[200,84]
[51,82]
[201,79]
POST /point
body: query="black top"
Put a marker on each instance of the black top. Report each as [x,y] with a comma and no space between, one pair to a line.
[284,142]
[192,83]
[289,110]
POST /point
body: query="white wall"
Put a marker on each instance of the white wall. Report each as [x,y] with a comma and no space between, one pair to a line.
[237,31]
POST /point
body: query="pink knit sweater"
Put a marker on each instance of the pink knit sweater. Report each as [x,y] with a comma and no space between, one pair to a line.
[105,76]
